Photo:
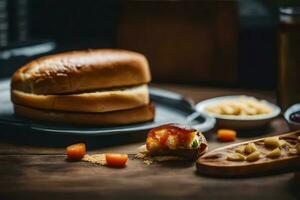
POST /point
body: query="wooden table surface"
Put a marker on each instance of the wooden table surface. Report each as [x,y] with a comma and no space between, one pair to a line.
[36,172]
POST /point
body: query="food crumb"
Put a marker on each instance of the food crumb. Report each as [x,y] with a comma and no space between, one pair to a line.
[140,155]
[143,154]
[148,162]
[99,159]
[143,149]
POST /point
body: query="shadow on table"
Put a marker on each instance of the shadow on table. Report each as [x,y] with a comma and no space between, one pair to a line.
[291,182]
[261,174]
[172,164]
[57,140]
[256,132]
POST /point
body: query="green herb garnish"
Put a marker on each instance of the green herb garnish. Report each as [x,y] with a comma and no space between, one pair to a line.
[195,144]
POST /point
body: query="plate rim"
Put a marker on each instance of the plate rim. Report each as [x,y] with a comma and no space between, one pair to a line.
[34,126]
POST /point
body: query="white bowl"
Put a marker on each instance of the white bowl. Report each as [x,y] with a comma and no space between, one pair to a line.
[288,112]
[238,122]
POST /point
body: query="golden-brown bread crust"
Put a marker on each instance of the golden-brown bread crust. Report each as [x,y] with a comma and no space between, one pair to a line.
[98,101]
[77,71]
[130,116]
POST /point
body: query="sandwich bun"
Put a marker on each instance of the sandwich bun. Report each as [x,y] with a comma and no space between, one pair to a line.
[122,117]
[92,87]
[97,101]
[78,71]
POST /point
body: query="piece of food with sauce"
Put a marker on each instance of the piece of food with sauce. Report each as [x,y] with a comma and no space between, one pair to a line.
[176,140]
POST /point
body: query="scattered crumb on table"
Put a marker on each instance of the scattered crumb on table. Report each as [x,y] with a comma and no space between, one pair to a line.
[143,154]
[99,159]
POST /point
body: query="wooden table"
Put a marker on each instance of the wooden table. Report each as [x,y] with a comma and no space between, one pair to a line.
[32,172]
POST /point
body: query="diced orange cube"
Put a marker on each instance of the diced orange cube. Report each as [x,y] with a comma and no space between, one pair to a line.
[116,160]
[226,135]
[76,152]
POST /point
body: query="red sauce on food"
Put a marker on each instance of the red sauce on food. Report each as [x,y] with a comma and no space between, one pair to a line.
[163,139]
[182,132]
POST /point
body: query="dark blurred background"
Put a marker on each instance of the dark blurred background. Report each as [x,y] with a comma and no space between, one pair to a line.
[224,43]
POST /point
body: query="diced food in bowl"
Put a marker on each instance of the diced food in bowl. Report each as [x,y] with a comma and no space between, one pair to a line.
[242,106]
[239,112]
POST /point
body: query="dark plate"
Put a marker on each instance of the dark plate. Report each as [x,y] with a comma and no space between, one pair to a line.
[170,107]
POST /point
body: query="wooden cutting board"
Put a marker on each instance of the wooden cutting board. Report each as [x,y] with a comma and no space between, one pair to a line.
[216,163]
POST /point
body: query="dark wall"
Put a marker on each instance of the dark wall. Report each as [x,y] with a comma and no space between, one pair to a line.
[202,42]
[75,24]
[258,44]
[191,42]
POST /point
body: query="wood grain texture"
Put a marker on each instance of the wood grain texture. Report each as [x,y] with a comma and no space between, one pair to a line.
[36,172]
[214,163]
[49,177]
